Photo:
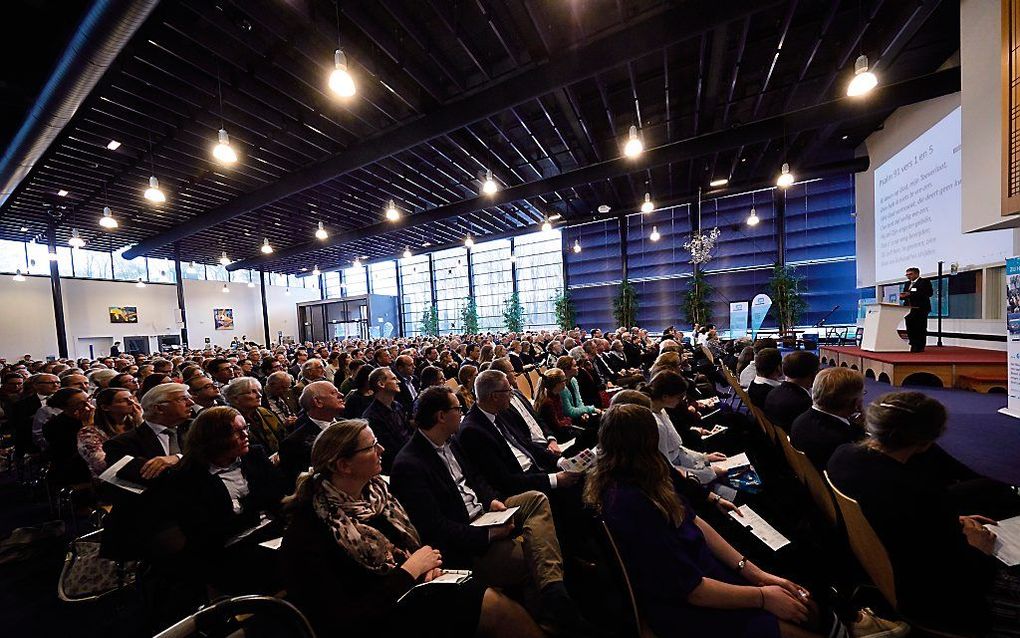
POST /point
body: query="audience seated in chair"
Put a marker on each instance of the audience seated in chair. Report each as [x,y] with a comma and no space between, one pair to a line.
[386,416]
[75,410]
[835,417]
[768,364]
[522,411]
[117,411]
[793,396]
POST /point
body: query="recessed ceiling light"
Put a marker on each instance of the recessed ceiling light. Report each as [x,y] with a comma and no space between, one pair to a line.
[553,218]
[604,208]
[113,145]
[845,136]
[62,192]
[722,181]
[24,229]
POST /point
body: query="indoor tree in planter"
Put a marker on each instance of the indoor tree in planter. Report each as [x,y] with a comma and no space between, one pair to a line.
[785,288]
[513,313]
[469,316]
[625,306]
[430,321]
[696,304]
[566,314]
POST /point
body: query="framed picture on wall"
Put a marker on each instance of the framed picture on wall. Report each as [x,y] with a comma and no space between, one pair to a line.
[223,318]
[123,314]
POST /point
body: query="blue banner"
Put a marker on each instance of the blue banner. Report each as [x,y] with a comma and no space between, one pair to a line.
[738,319]
[759,308]
[1013,295]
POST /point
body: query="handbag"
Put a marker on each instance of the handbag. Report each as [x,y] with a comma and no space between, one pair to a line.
[87,576]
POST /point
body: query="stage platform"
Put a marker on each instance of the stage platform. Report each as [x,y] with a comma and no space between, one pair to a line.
[953,366]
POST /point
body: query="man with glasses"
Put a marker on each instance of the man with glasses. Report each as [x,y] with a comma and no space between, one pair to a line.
[204,392]
[43,386]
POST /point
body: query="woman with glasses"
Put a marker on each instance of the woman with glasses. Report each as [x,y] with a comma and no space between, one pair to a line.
[117,411]
[245,395]
[352,558]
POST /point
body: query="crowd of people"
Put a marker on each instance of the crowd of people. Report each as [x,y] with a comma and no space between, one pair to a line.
[376,463]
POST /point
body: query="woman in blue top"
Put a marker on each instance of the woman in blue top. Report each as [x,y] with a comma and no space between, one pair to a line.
[573,405]
[688,580]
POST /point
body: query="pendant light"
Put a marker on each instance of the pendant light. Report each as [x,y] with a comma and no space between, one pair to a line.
[655,236]
[107,220]
[223,151]
[392,214]
[251,284]
[407,252]
[469,242]
[357,262]
[191,269]
[752,219]
[287,291]
[225,288]
[224,260]
[577,246]
[266,248]
[546,225]
[18,276]
[716,183]
[316,271]
[140,283]
[340,80]
[489,185]
[785,178]
[75,240]
[863,81]
[320,232]
[648,205]
[152,193]
[634,145]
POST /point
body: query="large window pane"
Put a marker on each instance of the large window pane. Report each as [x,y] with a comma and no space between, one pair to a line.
[490,264]
[539,264]
[192,270]
[242,276]
[12,256]
[162,270]
[384,278]
[451,287]
[128,270]
[334,290]
[217,273]
[278,279]
[415,292]
[355,281]
[90,263]
[39,263]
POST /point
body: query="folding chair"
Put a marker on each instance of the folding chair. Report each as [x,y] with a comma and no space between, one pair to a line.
[524,386]
[234,617]
[616,584]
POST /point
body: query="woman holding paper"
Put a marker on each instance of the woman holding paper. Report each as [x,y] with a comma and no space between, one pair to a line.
[688,580]
[351,555]
[668,390]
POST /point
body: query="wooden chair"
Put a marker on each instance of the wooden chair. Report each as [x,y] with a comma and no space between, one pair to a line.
[806,473]
[453,384]
[524,386]
[536,378]
[633,624]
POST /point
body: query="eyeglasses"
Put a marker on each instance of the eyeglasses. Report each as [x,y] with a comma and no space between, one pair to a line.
[375,445]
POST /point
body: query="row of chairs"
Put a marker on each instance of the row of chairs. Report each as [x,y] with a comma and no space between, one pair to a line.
[843,514]
[526,383]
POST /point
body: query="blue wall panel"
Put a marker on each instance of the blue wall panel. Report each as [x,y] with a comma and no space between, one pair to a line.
[595,306]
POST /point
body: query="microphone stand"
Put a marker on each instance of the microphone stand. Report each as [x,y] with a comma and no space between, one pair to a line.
[939,299]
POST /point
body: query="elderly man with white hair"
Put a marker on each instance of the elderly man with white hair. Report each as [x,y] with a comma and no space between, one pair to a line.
[156,445]
[280,397]
[321,403]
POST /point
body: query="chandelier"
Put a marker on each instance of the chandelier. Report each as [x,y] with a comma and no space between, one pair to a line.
[700,246]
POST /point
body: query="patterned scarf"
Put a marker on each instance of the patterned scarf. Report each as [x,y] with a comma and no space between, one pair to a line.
[347,518]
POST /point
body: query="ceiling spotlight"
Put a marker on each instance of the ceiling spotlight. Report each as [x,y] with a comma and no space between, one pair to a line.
[785,178]
[577,246]
[468,242]
[357,262]
[107,220]
[75,241]
[489,185]
[513,258]
[18,276]
[62,193]
[634,146]
[722,181]
[152,193]
[140,283]
[316,271]
[864,80]
[648,205]
[320,232]
[392,213]
[407,252]
[340,81]
[251,284]
[224,260]
[655,236]
[287,291]
[192,269]
[113,145]
[225,288]
[223,151]
[24,229]
[546,225]
[605,208]
[752,219]
[266,248]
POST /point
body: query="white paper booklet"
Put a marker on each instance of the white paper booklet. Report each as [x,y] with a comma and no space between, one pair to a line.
[580,463]
[110,476]
[273,543]
[566,445]
[760,528]
[492,519]
[739,460]
[1007,540]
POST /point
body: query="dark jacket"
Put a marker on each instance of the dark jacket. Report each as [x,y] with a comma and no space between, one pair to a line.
[920,293]
[391,428]
[405,397]
[67,467]
[786,403]
[817,435]
[21,419]
[424,486]
[758,392]
[485,446]
[296,449]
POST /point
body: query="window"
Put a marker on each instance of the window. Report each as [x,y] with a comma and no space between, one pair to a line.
[192,270]
[355,281]
[128,269]
[538,258]
[217,273]
[490,265]
[741,245]
[334,289]
[239,276]
[89,263]
[384,278]
[162,270]
[415,292]
[278,279]
[12,256]
[39,263]
[451,271]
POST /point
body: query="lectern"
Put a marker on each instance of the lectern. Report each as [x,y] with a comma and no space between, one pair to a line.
[880,323]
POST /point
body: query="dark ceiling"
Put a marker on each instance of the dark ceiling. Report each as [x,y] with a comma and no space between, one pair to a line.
[532,89]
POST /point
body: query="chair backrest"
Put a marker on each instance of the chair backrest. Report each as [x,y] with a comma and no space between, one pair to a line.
[763,422]
[633,624]
[866,545]
[708,354]
[523,385]
[259,615]
[807,474]
[453,384]
[535,377]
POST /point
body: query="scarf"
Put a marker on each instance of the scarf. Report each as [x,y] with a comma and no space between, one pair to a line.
[347,518]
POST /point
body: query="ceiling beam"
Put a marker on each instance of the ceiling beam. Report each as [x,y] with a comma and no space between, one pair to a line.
[605,53]
[882,99]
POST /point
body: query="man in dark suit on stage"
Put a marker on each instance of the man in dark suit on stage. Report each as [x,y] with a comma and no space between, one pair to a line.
[917,295]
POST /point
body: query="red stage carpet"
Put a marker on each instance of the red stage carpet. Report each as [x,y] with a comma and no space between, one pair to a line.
[950,366]
[931,354]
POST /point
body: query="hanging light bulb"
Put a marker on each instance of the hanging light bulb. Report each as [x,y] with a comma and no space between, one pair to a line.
[648,205]
[577,246]
[225,288]
[287,291]
[340,81]
[251,284]
[107,220]
[320,232]
[152,193]
[752,219]
[513,258]
[468,242]
[407,252]
[489,185]
[18,276]
[357,262]
[192,269]
[546,225]
[75,241]
[634,146]
[266,248]
[655,236]
[716,183]
[392,213]
[785,177]
[864,80]
[223,151]
[224,260]
[316,271]
[140,283]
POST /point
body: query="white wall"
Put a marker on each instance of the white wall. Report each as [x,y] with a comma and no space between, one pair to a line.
[201,297]
[26,318]
[283,310]
[87,311]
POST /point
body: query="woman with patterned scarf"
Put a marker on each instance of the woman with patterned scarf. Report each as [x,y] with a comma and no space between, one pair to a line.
[350,553]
